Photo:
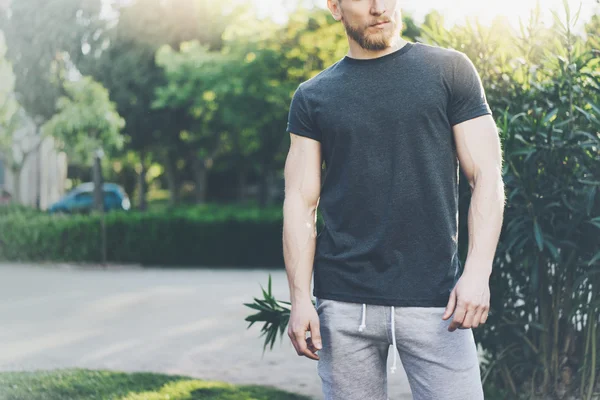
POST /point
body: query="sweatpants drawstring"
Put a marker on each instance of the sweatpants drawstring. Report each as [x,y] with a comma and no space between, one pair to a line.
[363,325]
[393,368]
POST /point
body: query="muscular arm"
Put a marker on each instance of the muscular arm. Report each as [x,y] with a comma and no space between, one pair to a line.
[302,174]
[480,157]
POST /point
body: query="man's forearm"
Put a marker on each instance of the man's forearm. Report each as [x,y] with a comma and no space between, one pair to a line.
[299,241]
[486,213]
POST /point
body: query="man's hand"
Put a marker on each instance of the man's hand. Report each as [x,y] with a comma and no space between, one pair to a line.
[471,298]
[304,318]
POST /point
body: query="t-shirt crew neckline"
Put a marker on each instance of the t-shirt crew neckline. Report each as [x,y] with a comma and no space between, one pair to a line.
[390,56]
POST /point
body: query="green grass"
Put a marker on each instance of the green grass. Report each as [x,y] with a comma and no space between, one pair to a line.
[84,384]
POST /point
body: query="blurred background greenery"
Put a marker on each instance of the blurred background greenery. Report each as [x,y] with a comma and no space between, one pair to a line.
[183,104]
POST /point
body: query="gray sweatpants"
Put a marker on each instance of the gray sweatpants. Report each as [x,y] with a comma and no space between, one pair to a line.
[440,365]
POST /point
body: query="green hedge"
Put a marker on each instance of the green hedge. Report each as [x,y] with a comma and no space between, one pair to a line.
[11,209]
[196,236]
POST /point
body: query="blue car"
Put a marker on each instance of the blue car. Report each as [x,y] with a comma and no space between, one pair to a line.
[81,199]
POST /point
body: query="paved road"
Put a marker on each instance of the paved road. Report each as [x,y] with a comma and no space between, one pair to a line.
[176,321]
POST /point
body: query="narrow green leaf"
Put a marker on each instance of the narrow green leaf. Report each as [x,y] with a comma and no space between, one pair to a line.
[265,294]
[588,182]
[538,326]
[585,113]
[567,10]
[534,277]
[594,106]
[270,284]
[558,21]
[594,259]
[553,250]
[591,195]
[539,237]
[523,151]
[552,204]
[549,116]
[576,17]
[282,329]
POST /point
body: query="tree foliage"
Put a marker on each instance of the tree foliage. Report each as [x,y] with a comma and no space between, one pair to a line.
[86,121]
[44,38]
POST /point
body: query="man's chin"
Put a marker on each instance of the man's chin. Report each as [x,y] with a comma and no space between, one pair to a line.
[370,41]
[376,45]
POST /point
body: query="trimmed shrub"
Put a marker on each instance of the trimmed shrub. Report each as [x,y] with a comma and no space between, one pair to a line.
[197,236]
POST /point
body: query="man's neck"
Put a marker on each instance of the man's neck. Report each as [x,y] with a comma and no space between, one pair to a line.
[355,51]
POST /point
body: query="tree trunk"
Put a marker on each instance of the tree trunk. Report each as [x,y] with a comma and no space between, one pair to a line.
[200,179]
[142,185]
[99,201]
[98,189]
[171,174]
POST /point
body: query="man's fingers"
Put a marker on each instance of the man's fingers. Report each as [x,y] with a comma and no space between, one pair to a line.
[302,348]
[314,341]
[451,305]
[310,344]
[459,316]
[293,340]
[310,354]
[484,315]
[300,341]
[469,316]
[312,348]
[308,350]
[298,327]
[477,317]
[315,334]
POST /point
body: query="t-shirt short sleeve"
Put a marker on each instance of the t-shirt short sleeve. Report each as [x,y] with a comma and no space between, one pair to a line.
[467,97]
[300,121]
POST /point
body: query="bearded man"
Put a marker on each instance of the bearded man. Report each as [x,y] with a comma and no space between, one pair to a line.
[392,121]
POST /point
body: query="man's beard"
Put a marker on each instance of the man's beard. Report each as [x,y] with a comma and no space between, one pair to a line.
[373,42]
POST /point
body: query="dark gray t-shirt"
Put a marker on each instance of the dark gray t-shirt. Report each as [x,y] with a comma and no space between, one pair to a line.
[389,197]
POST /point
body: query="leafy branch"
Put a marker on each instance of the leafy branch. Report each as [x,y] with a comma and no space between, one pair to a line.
[274,313]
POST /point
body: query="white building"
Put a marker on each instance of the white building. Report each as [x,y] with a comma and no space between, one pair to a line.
[43,174]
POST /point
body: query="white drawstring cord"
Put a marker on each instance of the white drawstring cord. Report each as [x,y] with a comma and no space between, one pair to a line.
[363,325]
[393,368]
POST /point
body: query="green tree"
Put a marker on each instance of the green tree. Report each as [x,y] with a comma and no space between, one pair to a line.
[123,60]
[86,126]
[193,76]
[237,100]
[44,38]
